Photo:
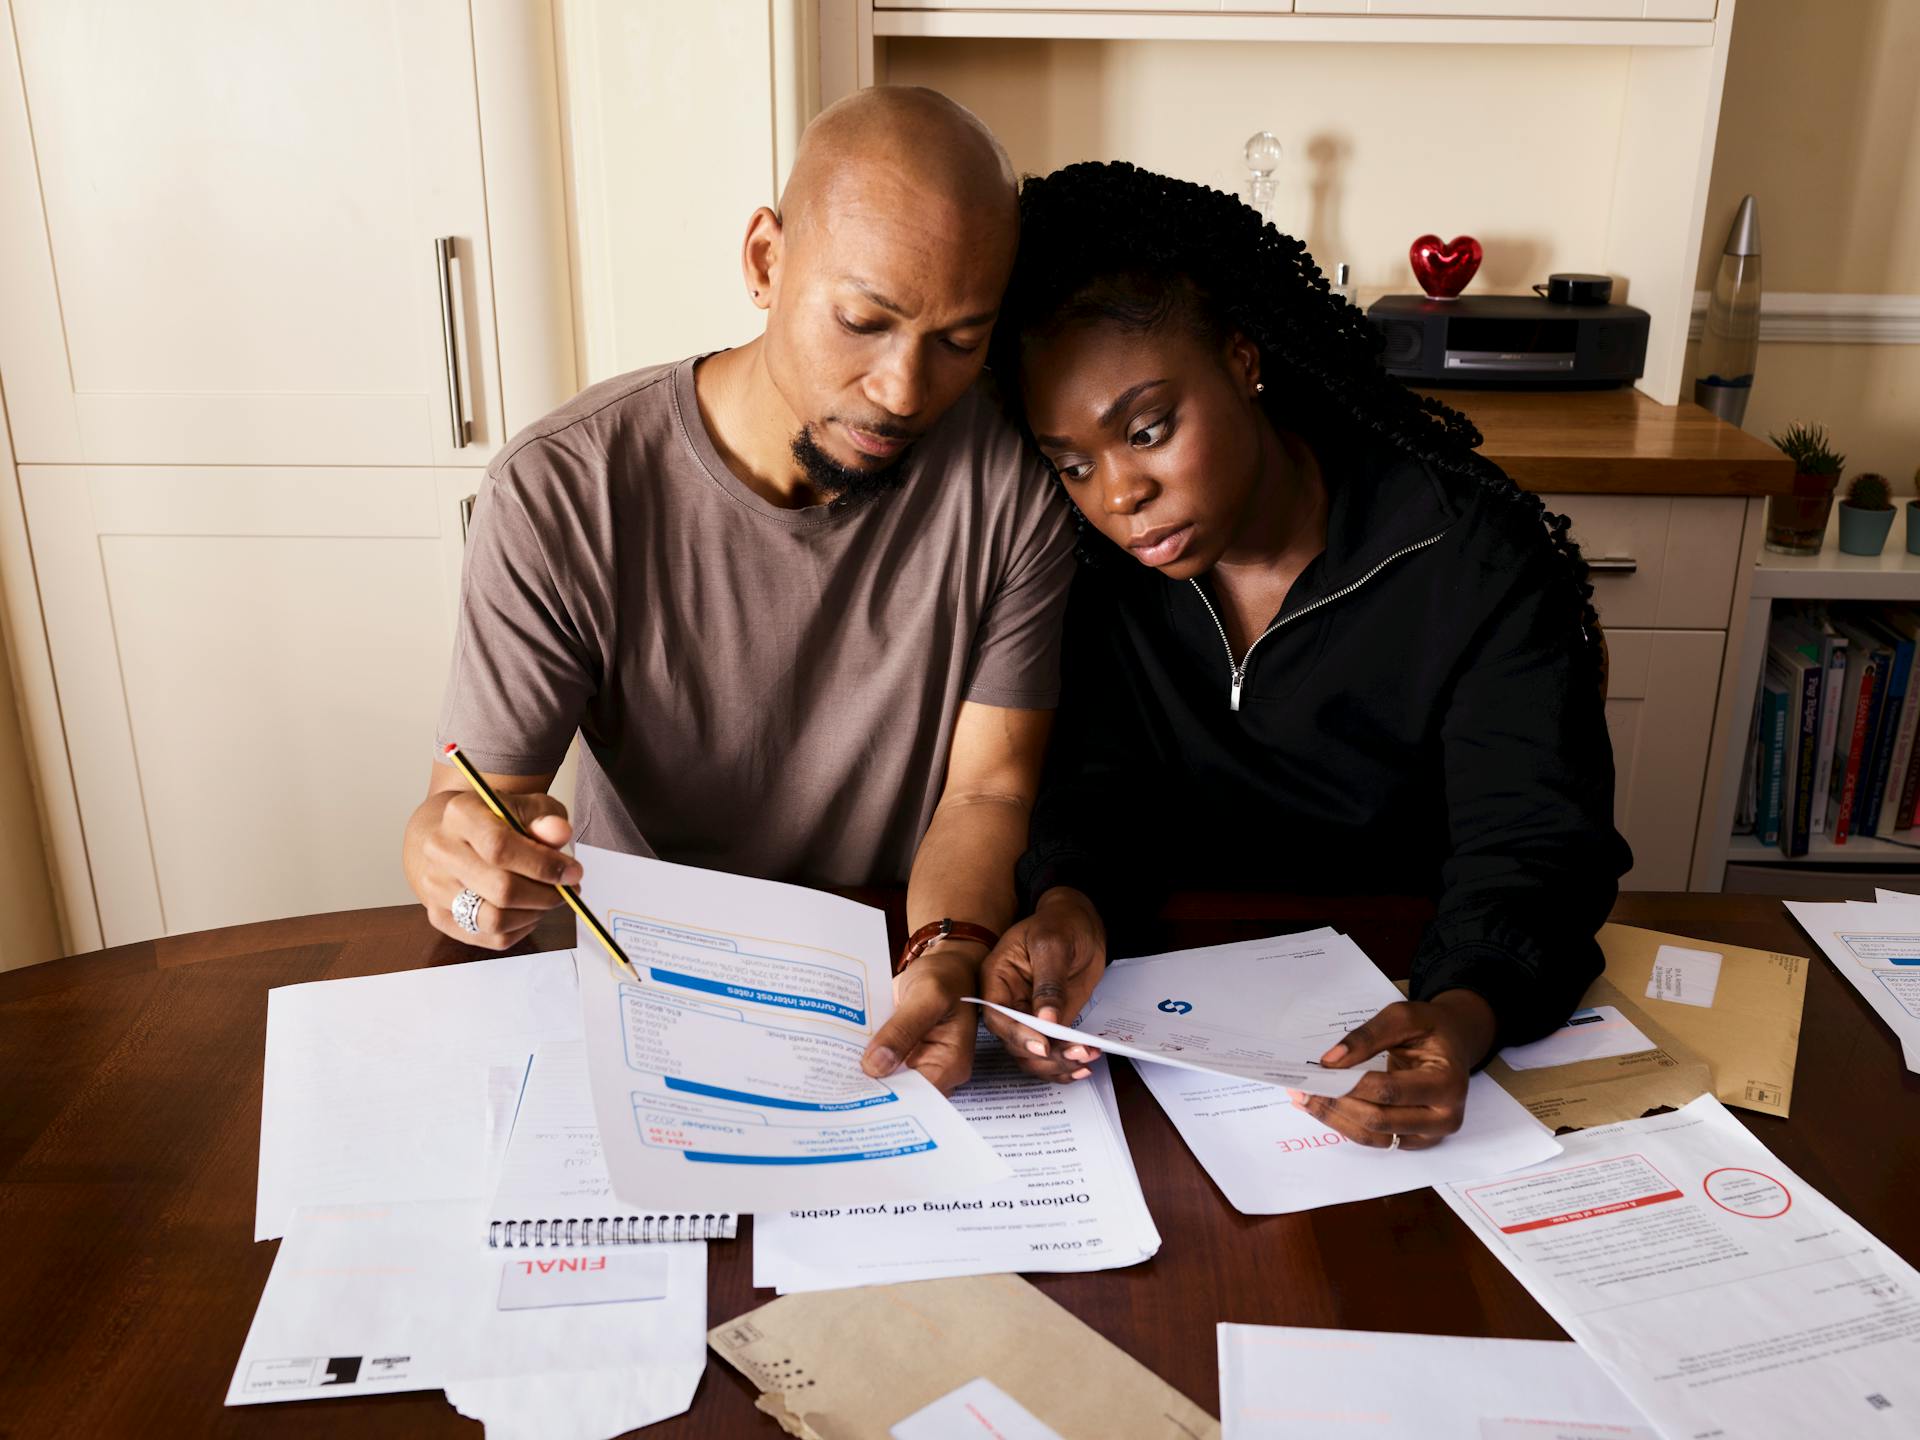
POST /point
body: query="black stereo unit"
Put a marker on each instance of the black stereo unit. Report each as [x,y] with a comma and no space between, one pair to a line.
[1510,340]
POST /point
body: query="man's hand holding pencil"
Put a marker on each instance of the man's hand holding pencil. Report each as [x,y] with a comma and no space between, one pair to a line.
[459,844]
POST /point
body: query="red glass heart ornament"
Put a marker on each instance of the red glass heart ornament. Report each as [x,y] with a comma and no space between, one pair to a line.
[1444,267]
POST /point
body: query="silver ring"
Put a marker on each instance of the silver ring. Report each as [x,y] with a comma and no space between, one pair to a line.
[1394,1143]
[466,913]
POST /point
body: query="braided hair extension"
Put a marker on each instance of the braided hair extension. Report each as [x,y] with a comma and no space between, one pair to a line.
[1111,242]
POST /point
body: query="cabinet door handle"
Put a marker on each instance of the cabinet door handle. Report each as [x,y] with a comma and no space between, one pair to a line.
[456,407]
[466,515]
[1612,564]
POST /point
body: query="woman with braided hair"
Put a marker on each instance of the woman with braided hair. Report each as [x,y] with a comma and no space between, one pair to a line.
[1316,644]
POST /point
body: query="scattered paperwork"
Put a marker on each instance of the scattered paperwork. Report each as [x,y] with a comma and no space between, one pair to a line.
[1073,1203]
[1736,1009]
[553,1188]
[1268,1156]
[1876,949]
[375,1086]
[837,1363]
[1636,1066]
[1222,1010]
[1720,1291]
[726,1069]
[1598,1032]
[1285,1382]
[372,1299]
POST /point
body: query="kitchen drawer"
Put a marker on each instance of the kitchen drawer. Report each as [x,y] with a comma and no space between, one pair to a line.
[1659,562]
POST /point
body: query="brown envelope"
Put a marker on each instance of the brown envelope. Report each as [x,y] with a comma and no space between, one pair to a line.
[851,1364]
[1750,1034]
[1620,1087]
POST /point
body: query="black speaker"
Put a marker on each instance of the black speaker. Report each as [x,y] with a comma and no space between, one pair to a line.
[1510,341]
[1403,343]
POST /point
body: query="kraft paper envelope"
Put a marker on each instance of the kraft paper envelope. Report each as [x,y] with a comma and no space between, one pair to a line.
[1619,1087]
[852,1364]
[1749,1032]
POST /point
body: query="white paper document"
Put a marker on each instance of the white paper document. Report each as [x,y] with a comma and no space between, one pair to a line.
[726,1070]
[1597,1033]
[1269,1157]
[1073,1203]
[1876,949]
[369,1299]
[1282,1382]
[1262,1010]
[978,1410]
[1722,1293]
[553,1187]
[377,1088]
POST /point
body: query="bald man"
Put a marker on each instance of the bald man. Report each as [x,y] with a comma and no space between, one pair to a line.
[800,600]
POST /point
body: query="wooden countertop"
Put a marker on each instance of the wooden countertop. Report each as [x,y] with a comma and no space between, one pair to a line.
[1618,442]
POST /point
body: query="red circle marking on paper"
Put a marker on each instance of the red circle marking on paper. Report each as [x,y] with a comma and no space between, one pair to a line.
[1750,1194]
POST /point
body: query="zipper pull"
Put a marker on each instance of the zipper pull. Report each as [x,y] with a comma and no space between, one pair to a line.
[1239,679]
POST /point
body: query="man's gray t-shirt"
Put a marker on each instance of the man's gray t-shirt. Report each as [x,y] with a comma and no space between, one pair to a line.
[760,690]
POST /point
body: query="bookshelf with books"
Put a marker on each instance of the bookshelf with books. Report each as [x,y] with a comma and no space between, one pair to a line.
[1820,784]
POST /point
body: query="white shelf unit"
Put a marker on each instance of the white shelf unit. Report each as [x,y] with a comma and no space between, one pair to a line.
[1891,576]
[1669,106]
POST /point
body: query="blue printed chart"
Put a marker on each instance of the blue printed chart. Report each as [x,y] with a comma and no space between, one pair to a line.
[726,1068]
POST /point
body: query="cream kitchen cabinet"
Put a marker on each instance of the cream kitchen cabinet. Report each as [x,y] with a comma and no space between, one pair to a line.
[1663,569]
[277,281]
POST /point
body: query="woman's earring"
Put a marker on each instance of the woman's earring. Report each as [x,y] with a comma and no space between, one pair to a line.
[1259,387]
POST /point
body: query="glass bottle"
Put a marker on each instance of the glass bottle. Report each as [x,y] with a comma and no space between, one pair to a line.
[1263,158]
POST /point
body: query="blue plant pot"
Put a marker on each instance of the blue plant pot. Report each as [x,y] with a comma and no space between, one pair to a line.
[1864,532]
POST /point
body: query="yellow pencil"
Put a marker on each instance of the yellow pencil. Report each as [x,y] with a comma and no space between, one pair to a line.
[567,892]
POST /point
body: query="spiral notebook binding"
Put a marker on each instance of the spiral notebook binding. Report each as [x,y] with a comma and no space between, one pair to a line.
[608,1230]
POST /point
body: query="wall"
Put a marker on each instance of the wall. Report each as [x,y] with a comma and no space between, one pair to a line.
[1820,120]
[29,930]
[1382,142]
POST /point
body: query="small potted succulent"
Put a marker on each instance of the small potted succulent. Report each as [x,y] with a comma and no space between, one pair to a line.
[1913,517]
[1866,515]
[1797,522]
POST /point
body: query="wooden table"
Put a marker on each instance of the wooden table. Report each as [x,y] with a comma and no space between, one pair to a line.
[130,1130]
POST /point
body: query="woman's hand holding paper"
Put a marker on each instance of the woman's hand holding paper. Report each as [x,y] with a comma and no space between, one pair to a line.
[1431,1048]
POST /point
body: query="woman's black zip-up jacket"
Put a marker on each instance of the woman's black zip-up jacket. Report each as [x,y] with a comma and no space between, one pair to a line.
[1422,718]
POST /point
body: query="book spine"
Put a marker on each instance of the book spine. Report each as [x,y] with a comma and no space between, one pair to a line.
[1890,813]
[1831,685]
[1850,780]
[1769,823]
[1903,814]
[1885,736]
[1882,678]
[1794,833]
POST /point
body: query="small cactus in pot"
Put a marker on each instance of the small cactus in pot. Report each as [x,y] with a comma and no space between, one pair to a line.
[1866,515]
